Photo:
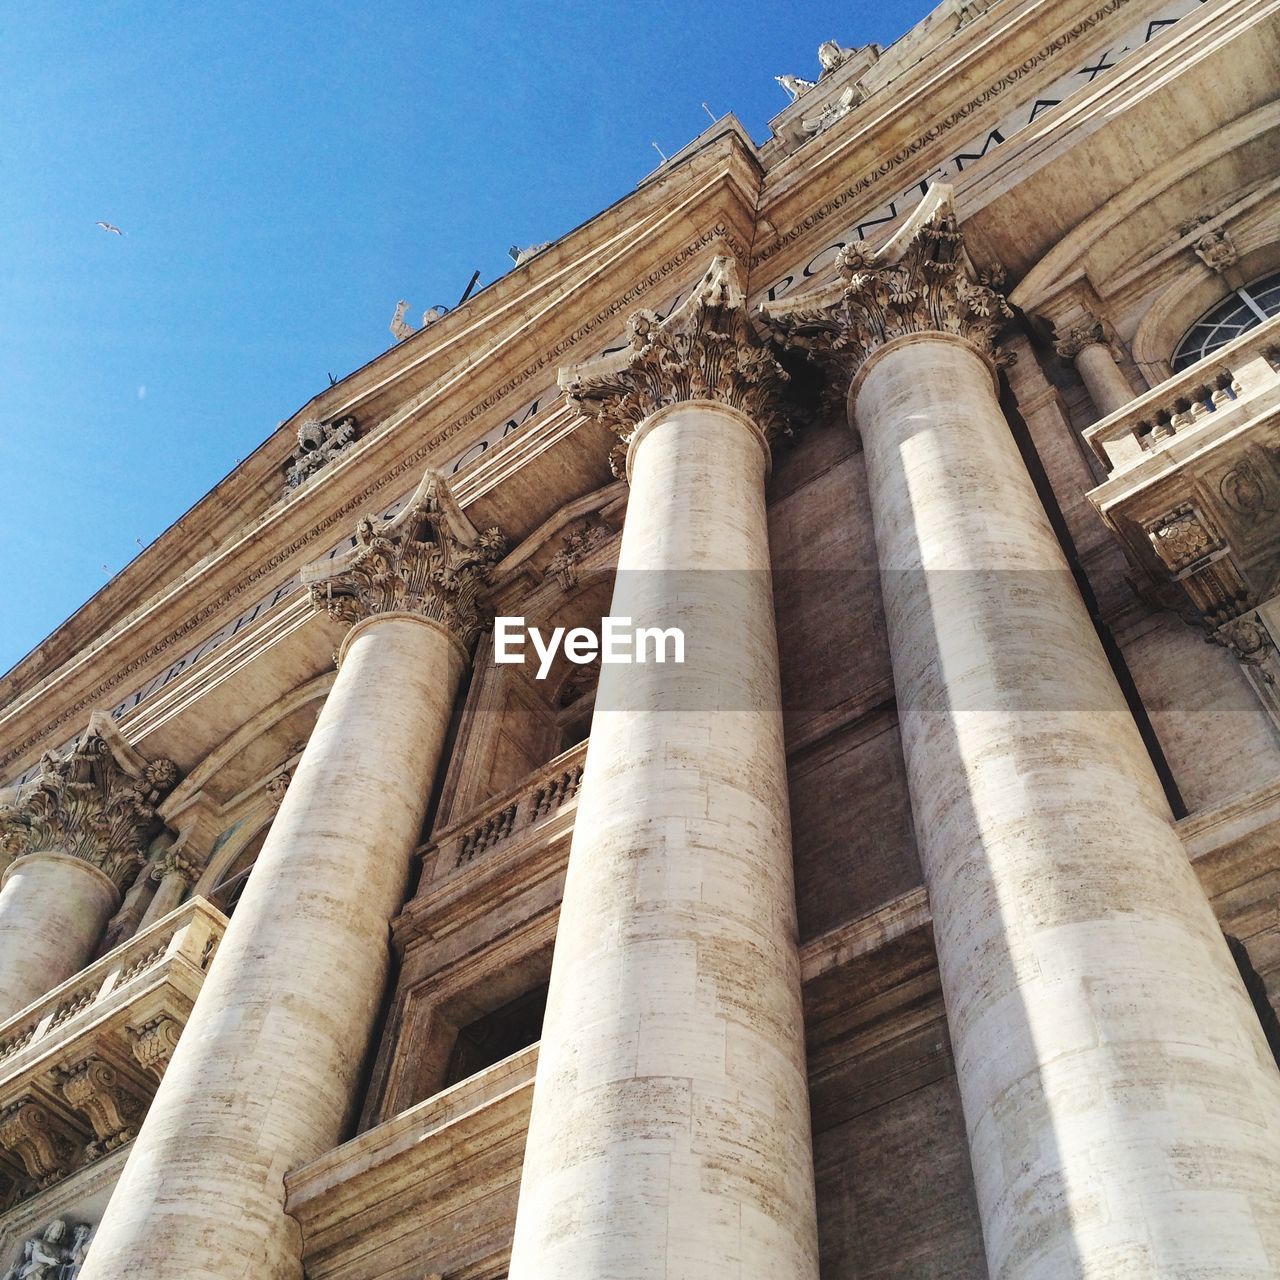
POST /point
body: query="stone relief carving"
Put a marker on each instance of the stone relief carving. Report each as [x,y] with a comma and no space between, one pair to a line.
[1216,250]
[154,1043]
[577,546]
[706,349]
[277,786]
[430,560]
[51,1256]
[1248,640]
[920,282]
[97,803]
[1180,538]
[830,112]
[319,443]
[1243,491]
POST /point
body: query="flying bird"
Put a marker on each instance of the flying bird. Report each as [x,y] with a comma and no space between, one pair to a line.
[110,226]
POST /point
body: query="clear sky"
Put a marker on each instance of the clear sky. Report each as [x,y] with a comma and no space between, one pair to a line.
[284,172]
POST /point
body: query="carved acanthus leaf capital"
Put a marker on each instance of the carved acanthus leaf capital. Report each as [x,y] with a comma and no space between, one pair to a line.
[1072,341]
[706,349]
[920,282]
[97,803]
[429,560]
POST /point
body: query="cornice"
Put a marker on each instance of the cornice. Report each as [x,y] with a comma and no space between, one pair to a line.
[718,187]
[867,135]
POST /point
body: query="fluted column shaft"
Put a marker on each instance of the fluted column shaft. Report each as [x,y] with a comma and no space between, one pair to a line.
[1122,1107]
[264,1075]
[53,909]
[670,1130]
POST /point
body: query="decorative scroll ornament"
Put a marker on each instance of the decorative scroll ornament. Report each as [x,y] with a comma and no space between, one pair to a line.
[706,349]
[96,803]
[920,282]
[429,560]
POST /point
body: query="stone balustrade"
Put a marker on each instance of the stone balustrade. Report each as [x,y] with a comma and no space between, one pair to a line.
[537,797]
[1239,381]
[78,1067]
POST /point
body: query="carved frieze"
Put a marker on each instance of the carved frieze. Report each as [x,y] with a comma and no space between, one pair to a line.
[430,560]
[97,802]
[920,282]
[706,349]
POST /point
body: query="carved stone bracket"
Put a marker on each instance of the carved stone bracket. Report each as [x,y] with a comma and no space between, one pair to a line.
[175,862]
[49,1146]
[430,560]
[113,1104]
[706,349]
[154,1043]
[1200,561]
[920,282]
[96,803]
[577,546]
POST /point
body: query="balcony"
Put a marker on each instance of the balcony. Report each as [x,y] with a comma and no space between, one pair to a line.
[79,1067]
[496,852]
[431,1191]
[1196,407]
[1195,479]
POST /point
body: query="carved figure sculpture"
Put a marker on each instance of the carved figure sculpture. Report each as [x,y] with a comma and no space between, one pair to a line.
[400,327]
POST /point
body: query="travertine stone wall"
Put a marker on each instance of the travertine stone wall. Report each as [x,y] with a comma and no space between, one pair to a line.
[670,1129]
[53,909]
[1122,1106]
[264,1076]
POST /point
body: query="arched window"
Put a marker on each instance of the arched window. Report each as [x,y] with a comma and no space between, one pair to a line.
[1237,313]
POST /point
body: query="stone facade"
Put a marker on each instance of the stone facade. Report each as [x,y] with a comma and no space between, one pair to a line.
[920,921]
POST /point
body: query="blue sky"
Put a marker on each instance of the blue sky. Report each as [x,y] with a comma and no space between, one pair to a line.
[284,172]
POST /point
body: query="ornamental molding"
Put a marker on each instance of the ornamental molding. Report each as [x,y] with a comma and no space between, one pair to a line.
[96,803]
[937,130]
[920,282]
[430,560]
[720,232]
[706,349]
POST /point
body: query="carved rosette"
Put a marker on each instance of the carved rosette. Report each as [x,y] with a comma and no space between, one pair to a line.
[430,560]
[707,349]
[96,803]
[920,282]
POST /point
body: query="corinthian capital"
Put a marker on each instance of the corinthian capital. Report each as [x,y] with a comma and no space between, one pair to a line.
[430,560]
[97,803]
[706,349]
[920,282]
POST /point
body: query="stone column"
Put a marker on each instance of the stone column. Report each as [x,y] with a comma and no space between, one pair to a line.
[263,1078]
[76,838]
[1108,388]
[1122,1106]
[177,874]
[670,1127]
